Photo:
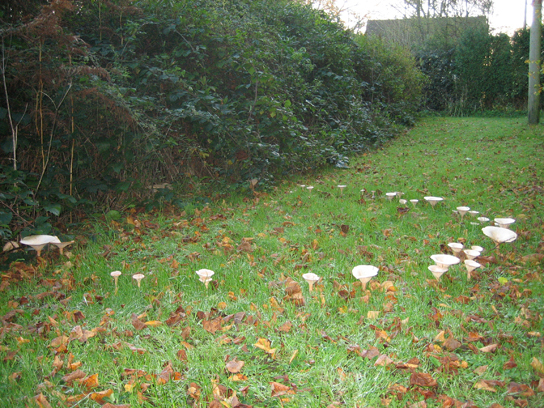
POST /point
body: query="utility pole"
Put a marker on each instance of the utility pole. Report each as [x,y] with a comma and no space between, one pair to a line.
[533,104]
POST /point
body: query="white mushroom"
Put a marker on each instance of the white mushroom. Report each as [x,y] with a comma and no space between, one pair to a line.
[115,275]
[445,261]
[205,276]
[504,222]
[38,242]
[138,277]
[471,265]
[311,278]
[437,271]
[463,210]
[499,235]
[433,200]
[62,245]
[456,247]
[364,273]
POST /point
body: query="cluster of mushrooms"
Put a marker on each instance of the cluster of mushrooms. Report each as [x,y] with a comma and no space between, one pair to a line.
[499,233]
[39,242]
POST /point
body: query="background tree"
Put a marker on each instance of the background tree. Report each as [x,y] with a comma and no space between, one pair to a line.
[535,64]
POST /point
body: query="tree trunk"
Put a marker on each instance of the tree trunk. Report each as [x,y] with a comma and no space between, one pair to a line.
[534,65]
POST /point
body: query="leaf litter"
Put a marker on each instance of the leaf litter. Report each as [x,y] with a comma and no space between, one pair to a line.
[257,335]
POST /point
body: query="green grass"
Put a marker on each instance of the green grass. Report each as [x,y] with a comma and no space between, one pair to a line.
[321,339]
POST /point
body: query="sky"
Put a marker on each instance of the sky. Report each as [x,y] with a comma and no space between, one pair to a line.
[507,15]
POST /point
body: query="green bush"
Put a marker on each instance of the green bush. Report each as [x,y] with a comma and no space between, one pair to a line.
[122,95]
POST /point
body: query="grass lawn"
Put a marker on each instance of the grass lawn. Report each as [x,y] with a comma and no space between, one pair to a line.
[256,335]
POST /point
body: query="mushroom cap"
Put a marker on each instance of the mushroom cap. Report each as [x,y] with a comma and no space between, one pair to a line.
[402,201]
[483,219]
[391,194]
[310,187]
[500,235]
[35,240]
[414,200]
[431,198]
[474,213]
[310,277]
[443,259]
[504,221]
[477,248]
[62,244]
[115,273]
[463,209]
[364,271]
[138,276]
[472,253]
[471,264]
[342,186]
[456,246]
[205,273]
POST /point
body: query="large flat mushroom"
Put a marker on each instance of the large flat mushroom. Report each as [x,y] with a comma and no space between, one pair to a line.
[38,242]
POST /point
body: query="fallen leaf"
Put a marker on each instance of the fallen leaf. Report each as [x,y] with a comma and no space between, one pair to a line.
[264,345]
[42,401]
[90,381]
[452,344]
[279,389]
[488,385]
[383,360]
[137,323]
[153,323]
[422,380]
[521,390]
[212,325]
[286,327]
[489,349]
[538,366]
[235,366]
[480,370]
[76,375]
[99,396]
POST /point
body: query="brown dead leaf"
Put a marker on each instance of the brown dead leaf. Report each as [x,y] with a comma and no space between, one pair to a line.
[286,327]
[76,375]
[212,326]
[108,405]
[509,364]
[41,400]
[235,366]
[194,391]
[182,355]
[137,323]
[89,382]
[480,370]
[538,366]
[533,258]
[488,385]
[264,345]
[279,389]
[383,360]
[489,349]
[422,380]
[520,390]
[452,344]
[166,374]
[99,396]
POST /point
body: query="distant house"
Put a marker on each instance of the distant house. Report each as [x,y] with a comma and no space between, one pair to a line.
[415,31]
